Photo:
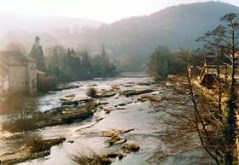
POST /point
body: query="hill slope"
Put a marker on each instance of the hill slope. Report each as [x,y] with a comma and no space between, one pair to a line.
[174,27]
[134,39]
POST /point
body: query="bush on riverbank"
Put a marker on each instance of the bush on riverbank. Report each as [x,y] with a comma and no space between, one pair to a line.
[19,125]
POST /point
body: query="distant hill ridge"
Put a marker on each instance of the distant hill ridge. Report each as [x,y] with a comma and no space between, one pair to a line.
[177,26]
[137,37]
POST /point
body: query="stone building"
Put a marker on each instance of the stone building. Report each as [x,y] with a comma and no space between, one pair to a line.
[17,73]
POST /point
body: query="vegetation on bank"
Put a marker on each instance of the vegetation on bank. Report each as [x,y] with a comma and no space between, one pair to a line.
[68,65]
[164,62]
[213,118]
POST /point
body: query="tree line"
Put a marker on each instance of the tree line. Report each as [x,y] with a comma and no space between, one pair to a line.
[69,65]
[66,64]
[163,62]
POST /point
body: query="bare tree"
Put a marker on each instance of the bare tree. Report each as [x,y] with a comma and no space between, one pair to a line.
[225,38]
[206,121]
[203,116]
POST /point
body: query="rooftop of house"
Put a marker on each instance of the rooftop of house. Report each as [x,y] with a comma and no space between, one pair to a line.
[14,58]
[40,72]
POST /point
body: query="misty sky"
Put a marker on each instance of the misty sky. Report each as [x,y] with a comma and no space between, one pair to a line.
[101,10]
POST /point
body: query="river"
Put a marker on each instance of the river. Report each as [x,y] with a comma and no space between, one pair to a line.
[126,113]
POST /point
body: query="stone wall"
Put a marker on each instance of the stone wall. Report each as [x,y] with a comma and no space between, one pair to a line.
[17,79]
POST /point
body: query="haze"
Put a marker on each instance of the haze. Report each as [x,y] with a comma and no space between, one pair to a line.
[107,11]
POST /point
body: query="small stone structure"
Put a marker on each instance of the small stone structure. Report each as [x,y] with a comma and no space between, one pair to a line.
[209,73]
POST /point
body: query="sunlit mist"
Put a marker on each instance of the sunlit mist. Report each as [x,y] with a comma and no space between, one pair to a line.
[103,10]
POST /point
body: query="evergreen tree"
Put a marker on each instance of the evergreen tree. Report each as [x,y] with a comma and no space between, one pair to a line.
[37,54]
[165,70]
[86,66]
[53,68]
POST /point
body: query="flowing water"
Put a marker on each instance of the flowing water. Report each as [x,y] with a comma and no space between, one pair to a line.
[126,113]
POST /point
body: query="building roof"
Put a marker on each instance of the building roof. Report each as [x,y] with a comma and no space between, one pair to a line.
[40,72]
[14,58]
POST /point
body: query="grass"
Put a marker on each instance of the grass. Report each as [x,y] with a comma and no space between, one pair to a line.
[91,159]
[19,125]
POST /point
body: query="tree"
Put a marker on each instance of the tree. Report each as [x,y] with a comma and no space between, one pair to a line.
[55,61]
[205,116]
[37,54]
[86,65]
[225,38]
[163,62]
[165,69]
[102,66]
[68,65]
[53,67]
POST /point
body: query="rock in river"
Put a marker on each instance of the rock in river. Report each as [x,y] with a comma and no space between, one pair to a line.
[133,92]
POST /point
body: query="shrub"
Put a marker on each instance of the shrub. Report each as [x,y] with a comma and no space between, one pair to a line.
[92,92]
[92,159]
[19,125]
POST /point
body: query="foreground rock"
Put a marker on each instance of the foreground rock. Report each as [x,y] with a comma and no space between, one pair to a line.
[106,158]
[131,147]
[151,97]
[133,92]
[115,132]
[74,102]
[35,148]
[105,93]
[109,156]
[69,97]
[113,136]
[62,115]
